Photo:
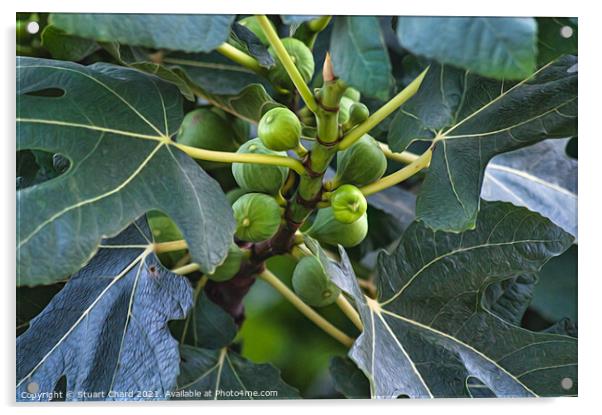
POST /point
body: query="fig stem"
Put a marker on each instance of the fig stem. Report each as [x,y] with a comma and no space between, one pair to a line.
[241,58]
[383,112]
[186,269]
[159,248]
[405,157]
[349,311]
[287,62]
[229,157]
[399,176]
[306,310]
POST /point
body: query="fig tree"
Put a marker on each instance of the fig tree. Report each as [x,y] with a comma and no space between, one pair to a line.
[326,228]
[311,283]
[257,217]
[348,203]
[259,177]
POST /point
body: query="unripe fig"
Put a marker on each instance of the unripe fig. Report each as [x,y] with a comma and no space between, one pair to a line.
[352,93]
[251,23]
[259,177]
[329,230]
[257,217]
[279,129]
[212,129]
[358,113]
[344,107]
[348,203]
[234,194]
[361,164]
[302,58]
[311,283]
[162,227]
[230,266]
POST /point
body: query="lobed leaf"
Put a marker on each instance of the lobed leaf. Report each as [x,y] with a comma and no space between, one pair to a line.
[114,125]
[106,330]
[496,47]
[222,374]
[189,33]
[473,119]
[430,331]
[359,55]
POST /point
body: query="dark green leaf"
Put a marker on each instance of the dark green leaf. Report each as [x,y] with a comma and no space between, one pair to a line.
[509,299]
[222,374]
[66,47]
[541,177]
[348,379]
[556,36]
[246,40]
[208,326]
[429,331]
[474,119]
[359,55]
[114,125]
[565,327]
[189,33]
[497,47]
[31,301]
[106,330]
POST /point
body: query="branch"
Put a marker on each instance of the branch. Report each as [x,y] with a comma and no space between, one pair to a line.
[161,247]
[383,112]
[287,62]
[405,157]
[241,58]
[186,269]
[229,157]
[399,176]
[309,312]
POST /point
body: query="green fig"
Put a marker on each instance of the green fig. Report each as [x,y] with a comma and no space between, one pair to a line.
[164,229]
[358,113]
[211,128]
[327,229]
[231,265]
[279,129]
[258,217]
[259,177]
[361,164]
[353,94]
[302,58]
[311,283]
[348,203]
[251,23]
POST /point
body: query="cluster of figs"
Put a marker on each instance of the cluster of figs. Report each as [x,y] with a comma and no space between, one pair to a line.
[257,202]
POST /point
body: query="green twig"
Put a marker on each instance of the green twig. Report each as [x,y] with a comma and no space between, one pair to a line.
[383,112]
[241,58]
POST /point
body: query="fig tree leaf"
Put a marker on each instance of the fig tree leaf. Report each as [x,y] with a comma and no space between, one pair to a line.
[556,36]
[359,55]
[290,19]
[66,47]
[106,330]
[228,86]
[348,378]
[429,331]
[246,40]
[496,47]
[474,119]
[222,374]
[541,177]
[208,326]
[189,33]
[510,298]
[114,125]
